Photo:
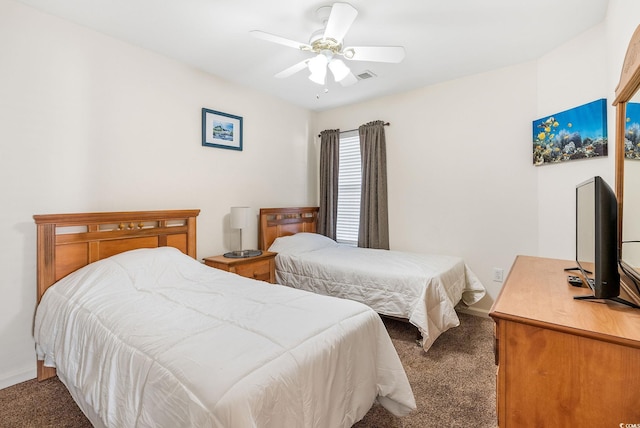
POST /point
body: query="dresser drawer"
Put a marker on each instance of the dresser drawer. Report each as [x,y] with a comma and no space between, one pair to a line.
[257,270]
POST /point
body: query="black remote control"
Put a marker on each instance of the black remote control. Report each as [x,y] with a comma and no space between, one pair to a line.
[574,280]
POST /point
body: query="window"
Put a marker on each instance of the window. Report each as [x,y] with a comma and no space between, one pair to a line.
[349,182]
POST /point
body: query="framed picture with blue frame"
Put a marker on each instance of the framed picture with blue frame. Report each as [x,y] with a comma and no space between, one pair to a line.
[578,133]
[221,130]
[632,131]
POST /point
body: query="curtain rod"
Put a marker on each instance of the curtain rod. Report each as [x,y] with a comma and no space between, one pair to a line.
[351,130]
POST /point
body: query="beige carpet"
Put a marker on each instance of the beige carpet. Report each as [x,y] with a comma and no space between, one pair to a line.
[454,385]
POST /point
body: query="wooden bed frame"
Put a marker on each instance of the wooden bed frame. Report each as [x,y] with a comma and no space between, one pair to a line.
[67,242]
[276,222]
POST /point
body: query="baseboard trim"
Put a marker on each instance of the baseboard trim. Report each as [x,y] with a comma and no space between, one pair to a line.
[473,311]
[10,379]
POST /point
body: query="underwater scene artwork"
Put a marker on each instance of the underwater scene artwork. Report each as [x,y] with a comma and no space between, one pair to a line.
[578,133]
[632,132]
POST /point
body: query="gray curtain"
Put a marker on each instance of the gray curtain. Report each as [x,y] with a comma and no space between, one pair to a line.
[374,214]
[329,164]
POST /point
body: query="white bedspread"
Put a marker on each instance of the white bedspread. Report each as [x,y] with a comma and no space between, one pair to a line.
[154,338]
[422,288]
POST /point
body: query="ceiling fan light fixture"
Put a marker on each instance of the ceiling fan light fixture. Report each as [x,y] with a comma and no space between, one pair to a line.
[326,45]
[318,64]
[318,68]
[338,69]
[318,78]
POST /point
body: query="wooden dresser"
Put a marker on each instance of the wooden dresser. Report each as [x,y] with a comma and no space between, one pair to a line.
[563,362]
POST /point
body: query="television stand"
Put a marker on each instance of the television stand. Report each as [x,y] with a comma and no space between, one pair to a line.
[562,362]
[615,299]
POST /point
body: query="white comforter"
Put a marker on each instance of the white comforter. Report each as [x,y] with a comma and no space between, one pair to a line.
[154,338]
[422,288]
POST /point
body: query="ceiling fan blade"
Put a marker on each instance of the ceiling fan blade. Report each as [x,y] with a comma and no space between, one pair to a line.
[351,79]
[392,54]
[293,69]
[280,40]
[340,20]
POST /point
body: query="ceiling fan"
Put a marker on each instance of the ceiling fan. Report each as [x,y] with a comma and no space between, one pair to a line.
[327,46]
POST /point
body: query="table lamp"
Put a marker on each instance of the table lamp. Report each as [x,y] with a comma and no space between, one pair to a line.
[239,219]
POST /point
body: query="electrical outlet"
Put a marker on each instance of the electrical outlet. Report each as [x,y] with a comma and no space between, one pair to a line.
[498,274]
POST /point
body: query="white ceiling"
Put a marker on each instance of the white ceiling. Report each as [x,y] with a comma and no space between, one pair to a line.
[444,39]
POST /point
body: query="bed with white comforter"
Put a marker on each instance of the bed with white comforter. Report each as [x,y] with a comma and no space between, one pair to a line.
[152,337]
[422,288]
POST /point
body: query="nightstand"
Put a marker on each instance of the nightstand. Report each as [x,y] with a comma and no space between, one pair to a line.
[262,267]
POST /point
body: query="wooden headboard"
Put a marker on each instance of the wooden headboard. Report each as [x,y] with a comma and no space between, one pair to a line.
[67,242]
[276,222]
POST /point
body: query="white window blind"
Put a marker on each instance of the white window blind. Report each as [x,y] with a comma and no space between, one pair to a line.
[349,182]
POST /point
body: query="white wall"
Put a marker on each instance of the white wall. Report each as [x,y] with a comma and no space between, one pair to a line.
[460,176]
[461,179]
[89,123]
[571,75]
[582,70]
[623,17]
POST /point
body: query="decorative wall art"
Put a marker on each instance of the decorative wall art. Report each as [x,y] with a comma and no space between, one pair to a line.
[632,131]
[221,130]
[578,133]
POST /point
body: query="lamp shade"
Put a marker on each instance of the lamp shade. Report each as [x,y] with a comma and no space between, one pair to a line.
[318,68]
[239,217]
[318,64]
[339,69]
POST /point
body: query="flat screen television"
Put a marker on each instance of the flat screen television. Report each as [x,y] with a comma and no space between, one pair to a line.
[597,239]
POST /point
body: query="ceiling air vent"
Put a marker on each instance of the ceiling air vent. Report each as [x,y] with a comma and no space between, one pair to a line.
[365,75]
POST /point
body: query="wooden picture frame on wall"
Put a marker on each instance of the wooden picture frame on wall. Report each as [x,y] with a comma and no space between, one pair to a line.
[221,130]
